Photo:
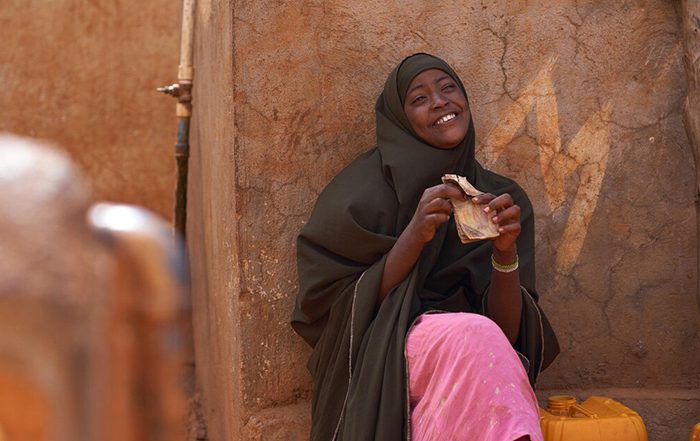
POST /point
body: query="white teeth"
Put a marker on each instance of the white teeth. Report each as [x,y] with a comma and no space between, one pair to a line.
[445,118]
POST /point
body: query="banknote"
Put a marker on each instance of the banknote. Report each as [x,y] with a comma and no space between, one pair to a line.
[473,223]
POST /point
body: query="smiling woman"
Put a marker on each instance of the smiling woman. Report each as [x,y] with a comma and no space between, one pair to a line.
[416,335]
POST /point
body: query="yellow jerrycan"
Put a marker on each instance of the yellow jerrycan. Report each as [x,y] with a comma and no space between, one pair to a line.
[595,419]
[695,436]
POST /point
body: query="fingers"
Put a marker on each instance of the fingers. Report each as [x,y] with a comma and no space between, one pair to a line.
[499,203]
[506,214]
[438,205]
[483,198]
[509,215]
[513,228]
[434,209]
[449,191]
[438,219]
[423,228]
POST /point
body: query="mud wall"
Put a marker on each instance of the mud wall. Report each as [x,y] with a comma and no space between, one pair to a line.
[580,101]
[83,73]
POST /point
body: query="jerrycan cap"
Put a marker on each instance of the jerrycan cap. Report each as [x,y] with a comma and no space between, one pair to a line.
[560,404]
[566,406]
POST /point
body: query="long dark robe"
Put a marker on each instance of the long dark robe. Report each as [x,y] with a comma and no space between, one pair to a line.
[358,361]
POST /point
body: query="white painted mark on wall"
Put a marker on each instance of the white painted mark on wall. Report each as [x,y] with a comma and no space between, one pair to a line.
[586,154]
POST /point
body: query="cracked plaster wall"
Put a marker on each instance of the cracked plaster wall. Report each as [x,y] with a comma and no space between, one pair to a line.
[83,73]
[579,101]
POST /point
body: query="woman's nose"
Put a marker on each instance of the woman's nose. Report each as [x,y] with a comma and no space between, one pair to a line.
[439,101]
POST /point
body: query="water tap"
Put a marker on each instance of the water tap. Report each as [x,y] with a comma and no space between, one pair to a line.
[173,90]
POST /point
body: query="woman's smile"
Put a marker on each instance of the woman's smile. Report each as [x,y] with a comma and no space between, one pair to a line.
[445,119]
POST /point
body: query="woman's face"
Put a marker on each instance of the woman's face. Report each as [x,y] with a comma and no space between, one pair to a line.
[437,109]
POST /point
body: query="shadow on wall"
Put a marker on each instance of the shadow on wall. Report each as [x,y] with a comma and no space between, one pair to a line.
[92,306]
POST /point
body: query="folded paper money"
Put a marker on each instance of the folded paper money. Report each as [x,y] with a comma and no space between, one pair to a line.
[473,223]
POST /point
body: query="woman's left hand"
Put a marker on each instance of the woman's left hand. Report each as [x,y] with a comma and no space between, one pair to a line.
[504,213]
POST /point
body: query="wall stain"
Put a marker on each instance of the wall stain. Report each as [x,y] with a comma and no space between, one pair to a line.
[586,156]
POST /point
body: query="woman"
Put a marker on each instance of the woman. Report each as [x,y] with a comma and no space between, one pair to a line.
[393,303]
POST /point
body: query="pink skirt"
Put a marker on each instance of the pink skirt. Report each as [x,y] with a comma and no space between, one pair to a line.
[466,382]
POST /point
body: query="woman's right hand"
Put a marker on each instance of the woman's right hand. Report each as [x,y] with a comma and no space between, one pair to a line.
[434,209]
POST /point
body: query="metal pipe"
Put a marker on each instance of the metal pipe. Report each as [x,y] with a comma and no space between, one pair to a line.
[182,152]
[183,110]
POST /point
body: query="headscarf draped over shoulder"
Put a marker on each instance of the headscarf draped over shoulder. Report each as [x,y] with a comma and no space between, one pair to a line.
[358,362]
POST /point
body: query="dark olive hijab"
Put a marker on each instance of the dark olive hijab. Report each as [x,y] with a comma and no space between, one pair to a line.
[358,362]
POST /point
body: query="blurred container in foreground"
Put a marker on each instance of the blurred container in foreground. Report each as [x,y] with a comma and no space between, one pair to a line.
[92,306]
[695,436]
[595,419]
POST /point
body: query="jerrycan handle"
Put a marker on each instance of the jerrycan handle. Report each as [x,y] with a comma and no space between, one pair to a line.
[582,410]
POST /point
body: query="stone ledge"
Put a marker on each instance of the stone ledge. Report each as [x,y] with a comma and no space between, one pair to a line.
[669,414]
[284,423]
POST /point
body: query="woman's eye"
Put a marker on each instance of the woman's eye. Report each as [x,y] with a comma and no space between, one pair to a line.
[418,99]
[448,87]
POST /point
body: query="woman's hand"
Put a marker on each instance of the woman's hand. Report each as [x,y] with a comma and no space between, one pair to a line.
[434,209]
[506,214]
